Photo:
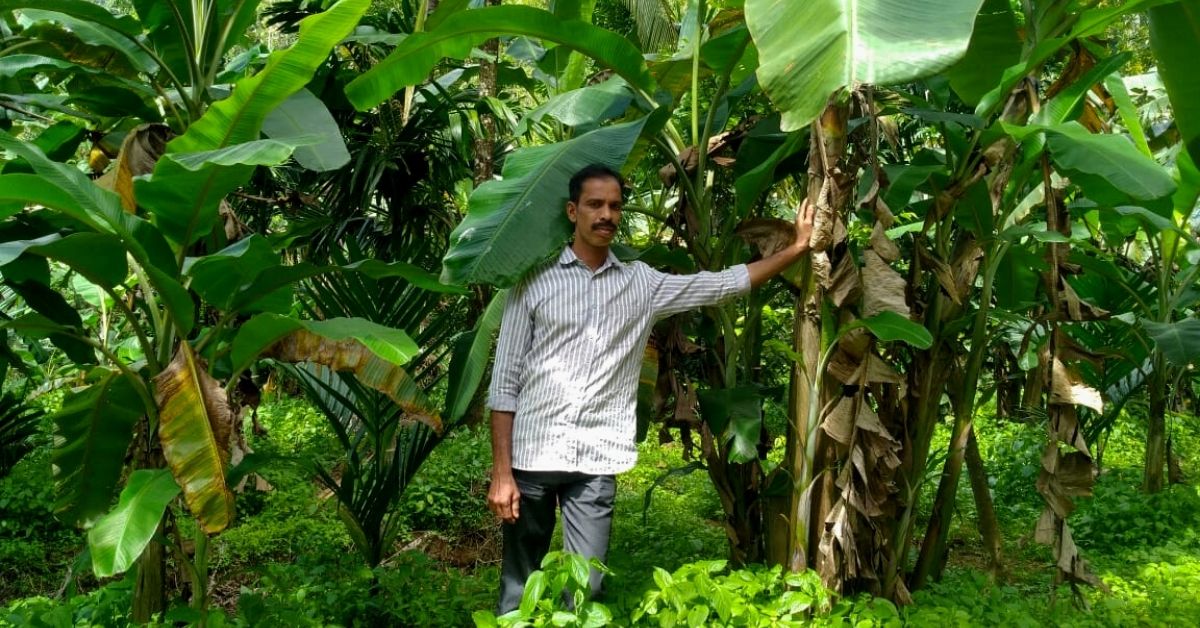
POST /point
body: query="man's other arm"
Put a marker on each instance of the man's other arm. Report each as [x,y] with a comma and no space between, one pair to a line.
[768,267]
[504,498]
[516,337]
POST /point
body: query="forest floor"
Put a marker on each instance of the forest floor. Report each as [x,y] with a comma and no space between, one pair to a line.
[289,560]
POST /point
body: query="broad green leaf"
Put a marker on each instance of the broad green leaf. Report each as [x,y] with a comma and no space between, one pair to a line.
[92,432]
[760,171]
[1067,101]
[1175,39]
[809,50]
[411,62]
[1128,112]
[517,222]
[116,33]
[118,538]
[735,414]
[254,153]
[1179,341]
[994,47]
[418,277]
[994,98]
[586,107]
[890,326]
[303,114]
[1096,20]
[469,361]
[219,276]
[194,427]
[186,204]
[102,211]
[1152,222]
[97,256]
[80,9]
[1108,167]
[571,77]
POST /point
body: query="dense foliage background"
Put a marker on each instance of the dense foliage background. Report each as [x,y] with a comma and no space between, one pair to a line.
[254,256]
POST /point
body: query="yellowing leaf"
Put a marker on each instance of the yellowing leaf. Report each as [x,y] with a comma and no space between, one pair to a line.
[194,425]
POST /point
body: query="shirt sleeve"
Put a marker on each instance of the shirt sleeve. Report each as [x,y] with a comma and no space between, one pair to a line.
[516,338]
[672,294]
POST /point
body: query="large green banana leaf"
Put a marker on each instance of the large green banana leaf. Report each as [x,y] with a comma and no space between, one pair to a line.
[97,256]
[1175,38]
[412,60]
[92,431]
[66,189]
[304,114]
[1179,341]
[185,203]
[515,223]
[470,359]
[118,538]
[994,47]
[809,50]
[194,427]
[92,24]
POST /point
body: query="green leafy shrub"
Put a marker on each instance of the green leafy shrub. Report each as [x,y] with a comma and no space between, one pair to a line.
[34,545]
[555,595]
[703,594]
[106,606]
[1121,515]
[408,590]
[449,493]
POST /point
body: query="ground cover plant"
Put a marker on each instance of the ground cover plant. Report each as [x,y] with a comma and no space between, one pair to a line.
[254,254]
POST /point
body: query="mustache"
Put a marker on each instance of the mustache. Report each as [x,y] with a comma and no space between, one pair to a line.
[604,223]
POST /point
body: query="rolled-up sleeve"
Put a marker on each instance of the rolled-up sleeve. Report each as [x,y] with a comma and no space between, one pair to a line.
[678,293]
[516,337]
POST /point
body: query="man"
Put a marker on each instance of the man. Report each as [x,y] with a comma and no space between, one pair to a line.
[564,385]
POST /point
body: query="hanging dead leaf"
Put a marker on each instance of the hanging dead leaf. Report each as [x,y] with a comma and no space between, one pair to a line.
[945,276]
[1064,426]
[845,285]
[139,152]
[883,288]
[869,369]
[966,267]
[839,422]
[768,235]
[1068,387]
[883,245]
[1078,309]
[1046,528]
[822,268]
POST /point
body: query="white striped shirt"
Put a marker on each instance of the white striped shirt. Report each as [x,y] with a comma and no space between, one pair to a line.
[570,352]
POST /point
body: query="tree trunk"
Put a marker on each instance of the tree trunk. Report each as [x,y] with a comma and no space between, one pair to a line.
[149,594]
[1156,430]
[485,142]
[989,525]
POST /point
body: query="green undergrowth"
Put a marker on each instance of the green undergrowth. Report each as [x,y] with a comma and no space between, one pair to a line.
[288,560]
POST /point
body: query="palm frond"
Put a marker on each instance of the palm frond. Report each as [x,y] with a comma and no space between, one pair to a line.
[657,24]
[18,427]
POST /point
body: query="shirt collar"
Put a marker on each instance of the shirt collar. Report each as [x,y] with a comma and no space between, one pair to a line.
[568,257]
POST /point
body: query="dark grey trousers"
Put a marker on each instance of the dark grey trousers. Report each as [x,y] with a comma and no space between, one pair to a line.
[587,507]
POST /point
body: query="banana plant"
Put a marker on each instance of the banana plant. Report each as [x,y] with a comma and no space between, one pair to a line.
[167,397]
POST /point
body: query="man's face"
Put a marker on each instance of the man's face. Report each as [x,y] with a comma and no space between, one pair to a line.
[598,211]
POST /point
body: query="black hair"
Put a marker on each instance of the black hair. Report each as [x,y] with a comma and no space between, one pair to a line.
[593,171]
